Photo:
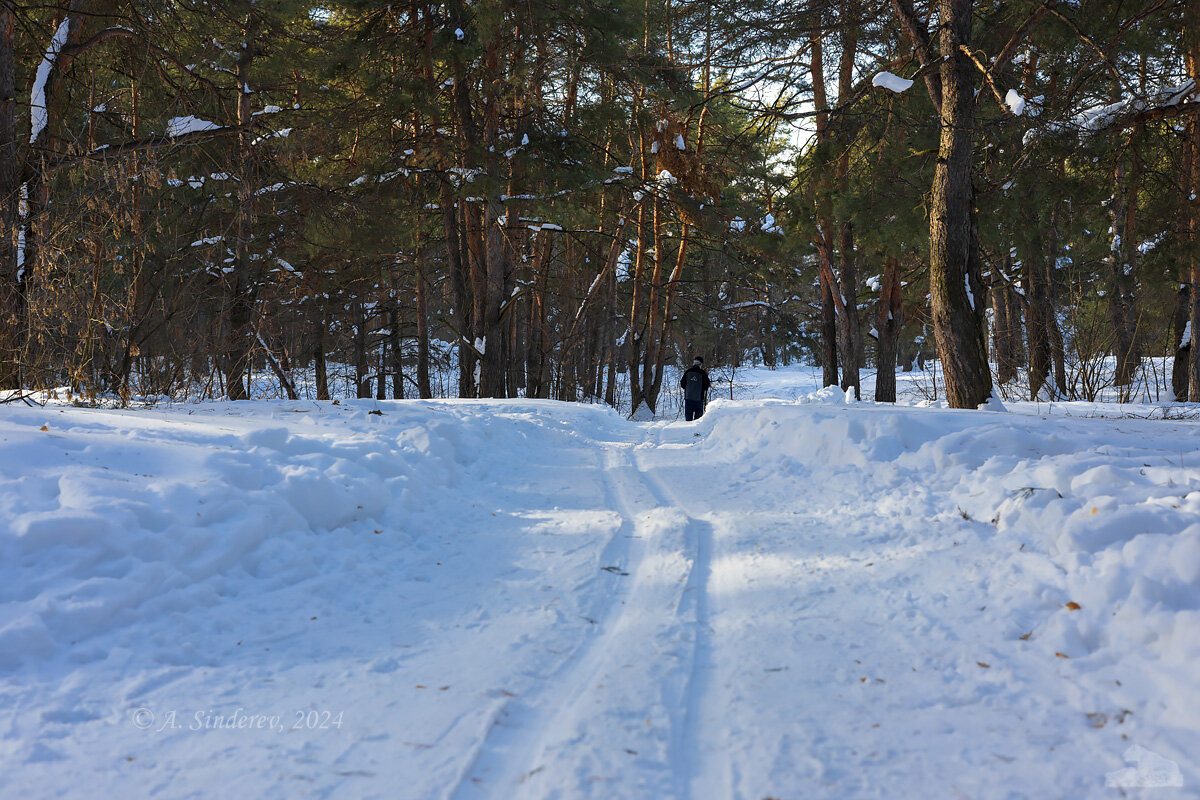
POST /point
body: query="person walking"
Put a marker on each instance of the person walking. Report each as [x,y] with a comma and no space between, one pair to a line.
[695,385]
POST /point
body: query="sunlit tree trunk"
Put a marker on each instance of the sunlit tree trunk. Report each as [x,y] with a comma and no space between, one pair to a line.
[956,288]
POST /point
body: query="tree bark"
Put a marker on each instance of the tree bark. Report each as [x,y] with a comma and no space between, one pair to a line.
[395,347]
[851,333]
[320,366]
[1191,38]
[1122,263]
[956,289]
[888,321]
[829,327]
[11,314]
[424,389]
[1004,324]
[242,282]
[1183,345]
[362,370]
[493,373]
[829,347]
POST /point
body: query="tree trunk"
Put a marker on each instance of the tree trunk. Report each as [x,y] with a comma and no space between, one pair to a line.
[1191,38]
[851,333]
[1182,336]
[1050,266]
[242,282]
[829,346]
[1004,324]
[395,348]
[463,302]
[1037,326]
[33,196]
[888,321]
[320,366]
[637,325]
[11,315]
[422,297]
[362,370]
[381,369]
[956,289]
[495,274]
[1122,265]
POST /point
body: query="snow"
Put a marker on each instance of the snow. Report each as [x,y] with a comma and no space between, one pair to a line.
[1186,338]
[746,304]
[679,143]
[39,114]
[893,83]
[279,134]
[1015,102]
[795,596]
[178,126]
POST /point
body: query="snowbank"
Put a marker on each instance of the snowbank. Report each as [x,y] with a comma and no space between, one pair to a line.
[530,599]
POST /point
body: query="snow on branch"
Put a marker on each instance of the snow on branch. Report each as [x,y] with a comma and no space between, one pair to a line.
[1015,102]
[893,83]
[177,126]
[1166,102]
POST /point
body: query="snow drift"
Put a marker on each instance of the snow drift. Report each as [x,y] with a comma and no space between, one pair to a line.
[534,599]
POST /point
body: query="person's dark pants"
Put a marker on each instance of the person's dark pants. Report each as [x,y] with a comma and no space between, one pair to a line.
[693,409]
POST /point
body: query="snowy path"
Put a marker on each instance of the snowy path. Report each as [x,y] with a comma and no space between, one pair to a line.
[535,600]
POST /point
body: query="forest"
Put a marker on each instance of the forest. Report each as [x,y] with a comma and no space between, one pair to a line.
[568,199]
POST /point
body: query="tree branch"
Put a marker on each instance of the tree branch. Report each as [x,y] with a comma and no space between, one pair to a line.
[1020,35]
[918,36]
[105,152]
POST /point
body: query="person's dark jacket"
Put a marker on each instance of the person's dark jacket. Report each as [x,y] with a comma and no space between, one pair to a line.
[694,390]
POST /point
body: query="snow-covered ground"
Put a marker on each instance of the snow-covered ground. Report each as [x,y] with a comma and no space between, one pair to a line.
[795,597]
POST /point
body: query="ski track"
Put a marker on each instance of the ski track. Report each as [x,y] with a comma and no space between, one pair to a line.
[698,706]
[713,631]
[513,752]
[525,753]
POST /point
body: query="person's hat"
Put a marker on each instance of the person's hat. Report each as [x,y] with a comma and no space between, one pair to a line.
[699,360]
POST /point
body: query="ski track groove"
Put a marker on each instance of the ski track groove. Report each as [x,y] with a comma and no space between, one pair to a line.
[687,747]
[517,737]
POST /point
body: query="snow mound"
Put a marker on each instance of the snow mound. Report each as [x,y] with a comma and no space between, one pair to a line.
[531,598]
